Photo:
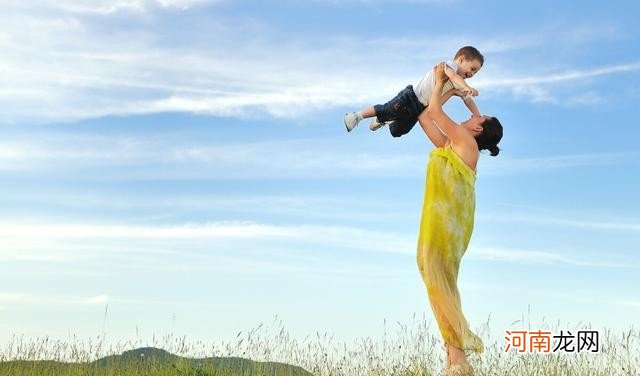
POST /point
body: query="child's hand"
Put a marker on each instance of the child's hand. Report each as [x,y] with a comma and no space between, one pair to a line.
[470,91]
[459,93]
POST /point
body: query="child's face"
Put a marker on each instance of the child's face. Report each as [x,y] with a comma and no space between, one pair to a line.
[468,68]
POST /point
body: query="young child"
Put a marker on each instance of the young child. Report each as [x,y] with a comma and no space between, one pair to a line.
[401,112]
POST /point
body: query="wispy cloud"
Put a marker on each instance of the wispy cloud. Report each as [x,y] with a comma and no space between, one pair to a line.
[348,237]
[161,207]
[509,165]
[305,158]
[34,237]
[149,158]
[386,1]
[605,225]
[541,257]
[107,7]
[546,87]
[27,298]
[61,64]
[586,297]
[630,303]
[216,230]
[237,248]
[574,75]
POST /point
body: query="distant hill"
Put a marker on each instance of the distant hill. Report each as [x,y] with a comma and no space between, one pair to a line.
[154,361]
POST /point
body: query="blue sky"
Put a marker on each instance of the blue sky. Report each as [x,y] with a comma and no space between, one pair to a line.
[185,163]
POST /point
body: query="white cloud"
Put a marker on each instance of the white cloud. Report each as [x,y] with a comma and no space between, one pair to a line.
[553,88]
[605,225]
[189,231]
[185,4]
[509,165]
[30,238]
[25,298]
[217,247]
[35,236]
[540,257]
[573,75]
[105,7]
[148,158]
[630,303]
[61,64]
[248,160]
[372,2]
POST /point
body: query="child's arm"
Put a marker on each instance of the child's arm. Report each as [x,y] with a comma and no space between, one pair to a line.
[468,100]
[471,105]
[453,76]
[450,93]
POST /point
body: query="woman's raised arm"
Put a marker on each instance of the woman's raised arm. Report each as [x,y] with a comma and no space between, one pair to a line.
[435,112]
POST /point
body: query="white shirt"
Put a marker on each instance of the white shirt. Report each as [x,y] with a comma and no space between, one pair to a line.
[424,88]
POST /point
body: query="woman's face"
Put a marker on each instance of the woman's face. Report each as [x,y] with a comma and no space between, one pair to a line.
[474,124]
[477,119]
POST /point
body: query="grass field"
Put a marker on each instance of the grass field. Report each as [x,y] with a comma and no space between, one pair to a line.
[402,350]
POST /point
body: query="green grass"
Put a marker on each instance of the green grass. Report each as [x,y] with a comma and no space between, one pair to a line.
[401,350]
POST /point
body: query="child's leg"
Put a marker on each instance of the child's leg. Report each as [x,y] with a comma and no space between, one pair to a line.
[368,112]
[365,113]
[401,127]
[394,109]
[351,119]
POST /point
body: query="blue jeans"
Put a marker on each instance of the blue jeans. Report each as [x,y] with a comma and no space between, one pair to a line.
[403,110]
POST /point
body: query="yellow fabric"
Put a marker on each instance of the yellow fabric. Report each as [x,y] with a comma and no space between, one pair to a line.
[445,231]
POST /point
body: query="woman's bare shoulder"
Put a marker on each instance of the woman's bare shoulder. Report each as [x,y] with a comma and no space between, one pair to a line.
[466,149]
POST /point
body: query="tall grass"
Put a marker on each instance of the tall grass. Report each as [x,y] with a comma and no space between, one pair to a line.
[402,349]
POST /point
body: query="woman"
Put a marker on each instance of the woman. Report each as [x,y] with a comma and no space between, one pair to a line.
[448,215]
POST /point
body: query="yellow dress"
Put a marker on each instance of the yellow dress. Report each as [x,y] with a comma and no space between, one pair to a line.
[445,231]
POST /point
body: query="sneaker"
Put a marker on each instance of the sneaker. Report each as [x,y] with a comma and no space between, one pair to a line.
[351,120]
[375,124]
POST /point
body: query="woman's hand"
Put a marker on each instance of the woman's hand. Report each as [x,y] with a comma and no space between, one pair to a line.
[440,75]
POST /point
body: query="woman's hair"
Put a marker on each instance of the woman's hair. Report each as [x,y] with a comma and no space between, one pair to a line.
[490,136]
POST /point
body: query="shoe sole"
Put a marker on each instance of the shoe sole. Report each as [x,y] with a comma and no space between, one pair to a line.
[346,126]
[376,126]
